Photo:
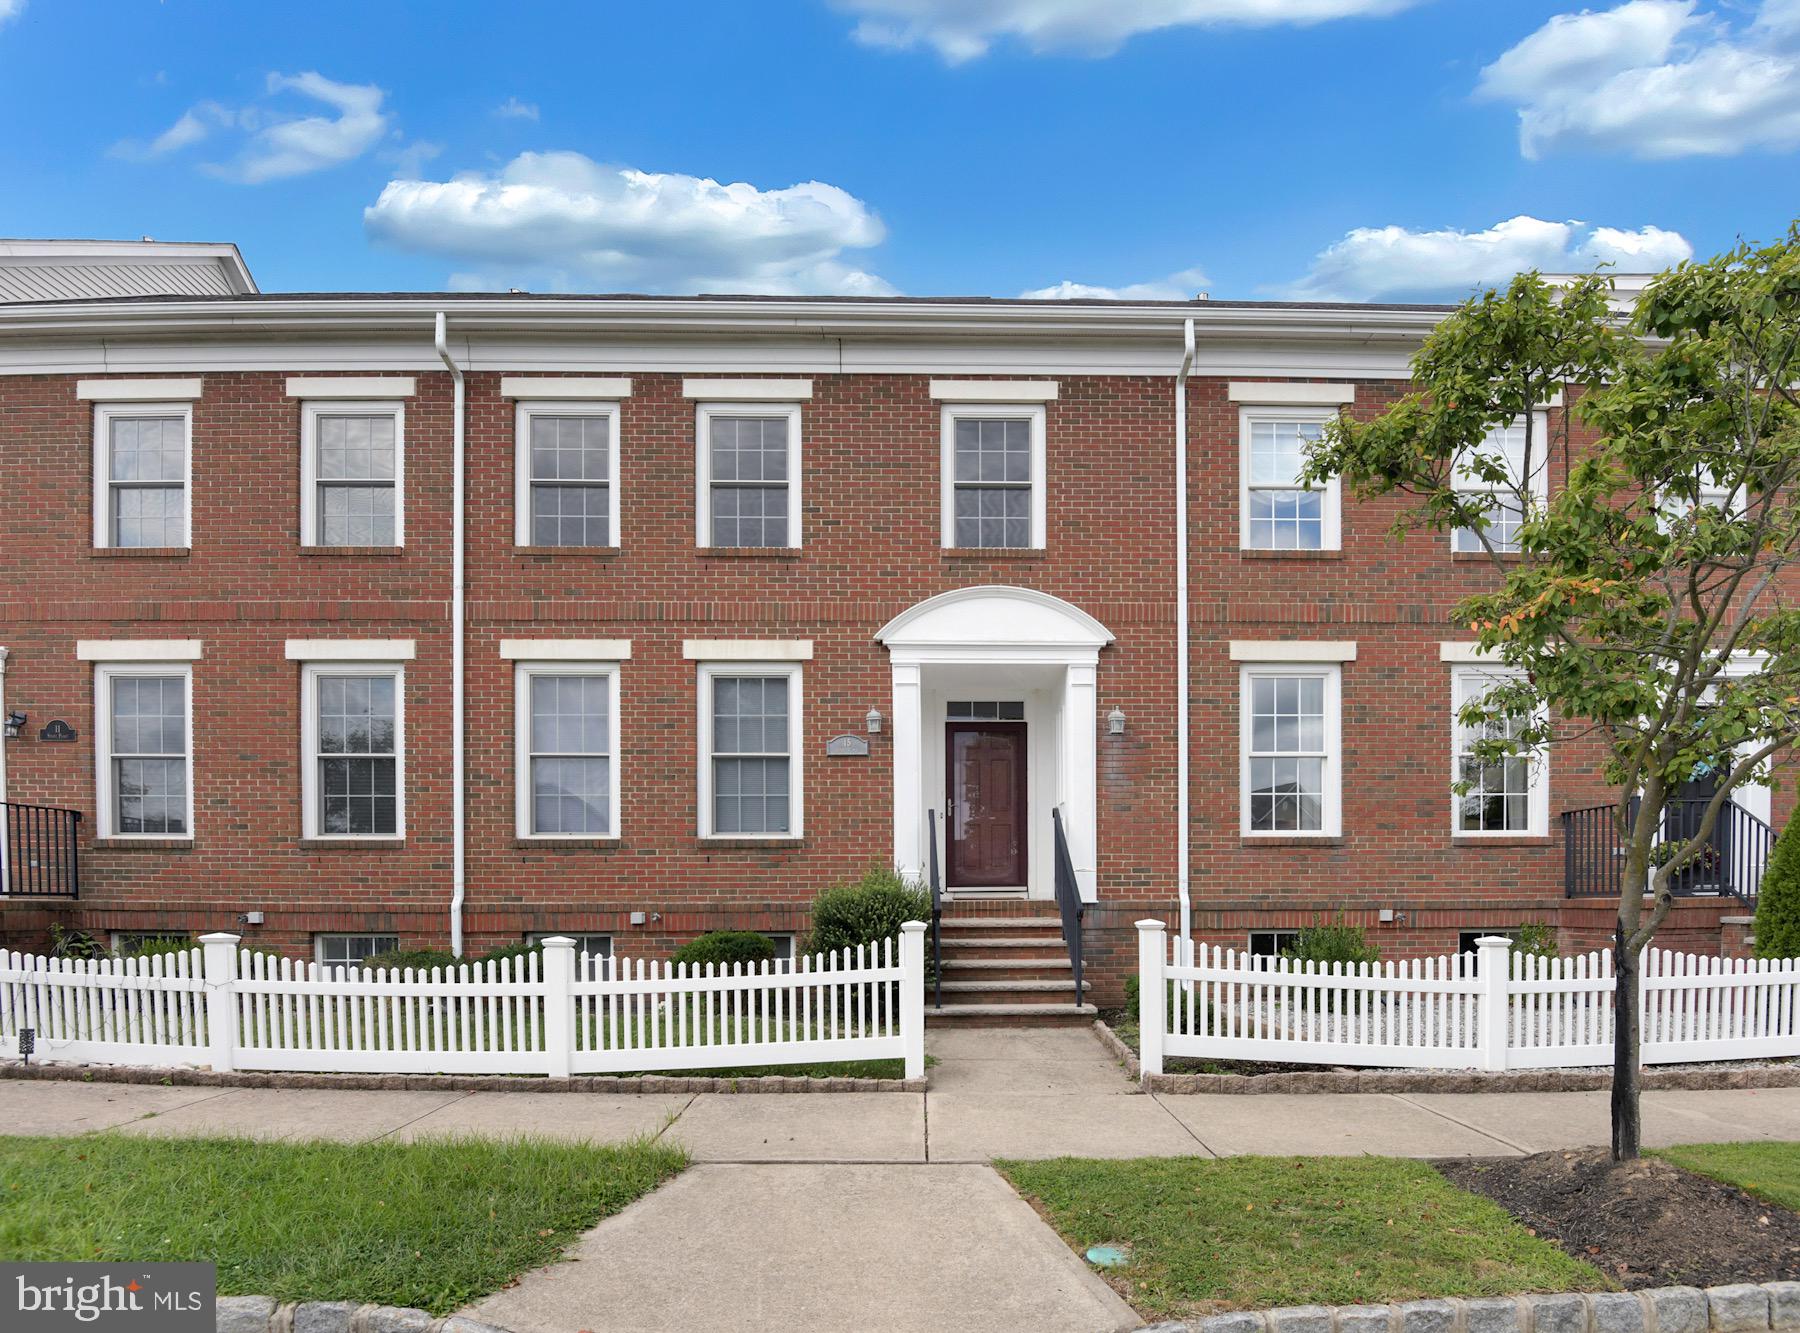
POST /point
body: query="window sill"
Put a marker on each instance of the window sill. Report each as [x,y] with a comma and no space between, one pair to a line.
[1291,839]
[392,552]
[140,552]
[130,844]
[549,552]
[750,552]
[748,844]
[1483,558]
[569,844]
[1253,553]
[994,553]
[1499,839]
[352,844]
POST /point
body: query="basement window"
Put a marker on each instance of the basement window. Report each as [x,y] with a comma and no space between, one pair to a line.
[351,951]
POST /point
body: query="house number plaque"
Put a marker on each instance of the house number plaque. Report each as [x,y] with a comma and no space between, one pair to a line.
[846,746]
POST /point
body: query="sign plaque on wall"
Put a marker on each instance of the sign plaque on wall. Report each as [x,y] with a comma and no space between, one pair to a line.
[847,746]
[57,730]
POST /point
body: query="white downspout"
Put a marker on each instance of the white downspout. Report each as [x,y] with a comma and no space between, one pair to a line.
[458,831]
[1185,946]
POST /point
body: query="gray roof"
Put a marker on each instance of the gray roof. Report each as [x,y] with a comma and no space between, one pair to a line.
[59,270]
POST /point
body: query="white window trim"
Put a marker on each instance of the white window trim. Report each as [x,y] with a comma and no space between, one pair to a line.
[523,674]
[104,413]
[1331,537]
[1537,805]
[309,745]
[1332,816]
[1538,482]
[1040,451]
[703,416]
[537,937]
[310,411]
[105,803]
[796,746]
[522,462]
[320,938]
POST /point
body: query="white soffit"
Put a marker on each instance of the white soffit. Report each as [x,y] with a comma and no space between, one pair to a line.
[1305,650]
[748,391]
[137,391]
[350,650]
[351,386]
[747,650]
[1291,393]
[1465,653]
[563,388]
[996,391]
[566,650]
[138,650]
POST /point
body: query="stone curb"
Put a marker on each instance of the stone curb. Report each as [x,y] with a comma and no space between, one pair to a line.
[263,1314]
[1739,1308]
[1444,1080]
[649,1083]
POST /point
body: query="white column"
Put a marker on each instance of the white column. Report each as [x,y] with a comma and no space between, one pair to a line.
[1076,765]
[909,768]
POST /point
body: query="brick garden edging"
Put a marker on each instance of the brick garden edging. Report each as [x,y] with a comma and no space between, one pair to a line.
[1700,1078]
[1740,1308]
[264,1314]
[649,1083]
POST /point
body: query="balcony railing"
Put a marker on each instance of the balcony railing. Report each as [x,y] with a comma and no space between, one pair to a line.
[43,851]
[1730,865]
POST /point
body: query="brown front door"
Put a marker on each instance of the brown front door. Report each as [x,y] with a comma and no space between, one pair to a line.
[984,765]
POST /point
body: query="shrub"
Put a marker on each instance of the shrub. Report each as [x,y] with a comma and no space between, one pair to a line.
[1535,939]
[66,943]
[519,950]
[1778,900]
[725,947]
[865,910]
[1326,942]
[420,960]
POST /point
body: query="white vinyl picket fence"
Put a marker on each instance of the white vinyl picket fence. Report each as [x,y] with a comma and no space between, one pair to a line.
[556,1014]
[1492,1009]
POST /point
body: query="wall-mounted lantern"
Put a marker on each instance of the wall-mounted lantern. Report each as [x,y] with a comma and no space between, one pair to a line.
[1115,721]
[873,720]
[15,725]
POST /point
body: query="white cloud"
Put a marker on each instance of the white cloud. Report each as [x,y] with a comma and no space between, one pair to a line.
[11,9]
[1397,264]
[1176,287]
[960,30]
[1655,79]
[513,109]
[560,220]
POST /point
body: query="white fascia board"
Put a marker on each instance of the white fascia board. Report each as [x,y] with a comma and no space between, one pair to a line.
[748,391]
[1298,650]
[566,650]
[1291,394]
[138,650]
[137,391]
[351,386]
[1465,654]
[747,650]
[995,391]
[350,650]
[567,388]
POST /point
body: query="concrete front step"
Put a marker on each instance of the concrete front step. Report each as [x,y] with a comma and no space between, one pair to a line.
[1012,1015]
[1006,969]
[1033,991]
[1004,948]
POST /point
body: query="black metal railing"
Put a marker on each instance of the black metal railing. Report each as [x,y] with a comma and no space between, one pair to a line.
[43,851]
[1730,864]
[937,912]
[1068,900]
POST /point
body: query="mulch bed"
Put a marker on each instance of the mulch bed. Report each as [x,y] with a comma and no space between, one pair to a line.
[1646,1223]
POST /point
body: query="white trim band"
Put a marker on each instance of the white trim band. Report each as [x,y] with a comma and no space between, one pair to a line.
[1465,654]
[137,650]
[566,650]
[137,391]
[1294,650]
[749,391]
[996,391]
[1290,393]
[528,388]
[350,650]
[747,650]
[351,386]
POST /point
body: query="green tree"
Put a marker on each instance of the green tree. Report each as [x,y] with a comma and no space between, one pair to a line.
[1778,904]
[1648,581]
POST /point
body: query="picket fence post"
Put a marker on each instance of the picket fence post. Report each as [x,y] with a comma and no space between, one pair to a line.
[219,971]
[559,1004]
[912,997]
[1493,966]
[1152,955]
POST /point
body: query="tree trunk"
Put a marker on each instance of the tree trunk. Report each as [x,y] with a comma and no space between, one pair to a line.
[1627,1123]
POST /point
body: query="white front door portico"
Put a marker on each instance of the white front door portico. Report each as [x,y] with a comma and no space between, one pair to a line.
[972,668]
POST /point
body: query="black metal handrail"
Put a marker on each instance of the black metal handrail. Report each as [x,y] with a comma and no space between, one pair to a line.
[937,912]
[43,851]
[1068,899]
[1730,864]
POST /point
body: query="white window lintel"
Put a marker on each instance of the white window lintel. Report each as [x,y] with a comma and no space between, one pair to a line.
[1290,393]
[747,650]
[1290,650]
[563,388]
[138,391]
[749,391]
[996,391]
[1466,654]
[566,650]
[350,650]
[138,650]
[351,386]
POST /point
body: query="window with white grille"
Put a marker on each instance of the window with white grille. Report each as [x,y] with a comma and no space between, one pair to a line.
[993,476]
[568,465]
[1278,511]
[146,751]
[748,475]
[1503,451]
[568,720]
[750,760]
[352,466]
[1504,795]
[352,727]
[141,475]
[1290,746]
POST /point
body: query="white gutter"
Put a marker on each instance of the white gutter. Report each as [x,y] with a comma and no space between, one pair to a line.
[1185,942]
[458,831]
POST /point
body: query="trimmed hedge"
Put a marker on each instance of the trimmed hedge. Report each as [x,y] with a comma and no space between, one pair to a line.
[420,960]
[1778,900]
[865,911]
[725,947]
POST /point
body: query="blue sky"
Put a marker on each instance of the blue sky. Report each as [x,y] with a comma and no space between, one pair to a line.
[1338,149]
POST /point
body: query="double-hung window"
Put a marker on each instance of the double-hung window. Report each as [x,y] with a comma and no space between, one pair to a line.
[1278,511]
[1508,795]
[568,731]
[352,474]
[1291,749]
[568,470]
[141,474]
[748,475]
[750,761]
[146,749]
[993,476]
[1503,450]
[352,736]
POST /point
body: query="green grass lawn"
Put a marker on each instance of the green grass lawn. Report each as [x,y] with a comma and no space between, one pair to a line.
[1770,1171]
[1252,1232]
[434,1224]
